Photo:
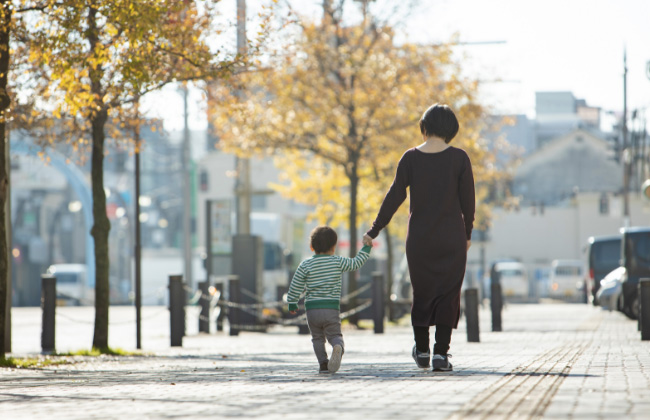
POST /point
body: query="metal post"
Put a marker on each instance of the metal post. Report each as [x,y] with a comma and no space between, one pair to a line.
[243,181]
[496,304]
[234,296]
[222,308]
[378,301]
[208,239]
[138,247]
[644,310]
[48,305]
[624,151]
[187,194]
[204,317]
[471,315]
[176,310]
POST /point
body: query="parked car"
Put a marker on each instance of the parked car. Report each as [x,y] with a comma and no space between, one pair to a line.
[603,256]
[636,260]
[567,281]
[609,292]
[513,278]
[71,283]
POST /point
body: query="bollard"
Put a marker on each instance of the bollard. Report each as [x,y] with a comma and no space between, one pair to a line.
[496,305]
[644,308]
[234,296]
[471,315]
[303,329]
[222,310]
[48,305]
[204,317]
[378,301]
[176,310]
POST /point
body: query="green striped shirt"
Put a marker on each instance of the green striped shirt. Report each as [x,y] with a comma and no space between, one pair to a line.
[320,276]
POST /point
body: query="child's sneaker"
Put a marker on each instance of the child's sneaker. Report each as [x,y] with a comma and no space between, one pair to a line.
[323,368]
[335,360]
[441,363]
[421,359]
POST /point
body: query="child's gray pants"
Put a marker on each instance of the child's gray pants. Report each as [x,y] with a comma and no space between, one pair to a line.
[324,324]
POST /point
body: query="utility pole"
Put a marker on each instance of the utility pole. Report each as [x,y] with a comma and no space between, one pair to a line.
[626,152]
[138,248]
[187,196]
[242,165]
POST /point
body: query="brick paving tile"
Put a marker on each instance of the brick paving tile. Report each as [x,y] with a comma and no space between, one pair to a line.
[551,361]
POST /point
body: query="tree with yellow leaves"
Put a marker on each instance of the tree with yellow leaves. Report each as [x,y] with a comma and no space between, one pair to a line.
[339,109]
[91,60]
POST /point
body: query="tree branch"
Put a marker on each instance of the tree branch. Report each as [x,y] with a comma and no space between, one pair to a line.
[38,8]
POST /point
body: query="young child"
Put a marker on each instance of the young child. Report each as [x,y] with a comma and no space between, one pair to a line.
[320,276]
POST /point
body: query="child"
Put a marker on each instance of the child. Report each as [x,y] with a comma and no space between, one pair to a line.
[320,276]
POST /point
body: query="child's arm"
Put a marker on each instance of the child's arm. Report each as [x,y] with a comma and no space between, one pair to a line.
[296,288]
[351,264]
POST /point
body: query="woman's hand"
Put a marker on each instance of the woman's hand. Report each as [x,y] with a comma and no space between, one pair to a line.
[469,243]
[367,240]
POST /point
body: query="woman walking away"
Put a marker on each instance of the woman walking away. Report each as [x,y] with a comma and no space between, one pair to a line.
[441,217]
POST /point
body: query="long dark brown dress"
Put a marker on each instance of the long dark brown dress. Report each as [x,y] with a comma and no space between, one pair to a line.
[441,217]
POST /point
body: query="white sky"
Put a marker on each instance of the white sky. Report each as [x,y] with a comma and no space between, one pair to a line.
[551,45]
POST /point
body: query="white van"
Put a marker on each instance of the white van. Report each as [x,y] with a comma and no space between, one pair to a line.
[71,283]
[567,280]
[513,279]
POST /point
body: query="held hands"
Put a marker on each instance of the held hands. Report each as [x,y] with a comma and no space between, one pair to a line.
[367,240]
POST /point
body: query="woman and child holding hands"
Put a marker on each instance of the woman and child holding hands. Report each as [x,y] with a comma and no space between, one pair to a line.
[441,217]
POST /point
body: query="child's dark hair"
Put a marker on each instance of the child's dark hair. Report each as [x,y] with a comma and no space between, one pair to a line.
[323,238]
[440,121]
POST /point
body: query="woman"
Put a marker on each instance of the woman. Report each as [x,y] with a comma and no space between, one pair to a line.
[441,217]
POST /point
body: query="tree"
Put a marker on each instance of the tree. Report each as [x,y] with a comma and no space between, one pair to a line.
[96,57]
[342,105]
[6,10]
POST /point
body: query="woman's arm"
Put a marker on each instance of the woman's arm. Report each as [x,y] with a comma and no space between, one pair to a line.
[467,197]
[394,198]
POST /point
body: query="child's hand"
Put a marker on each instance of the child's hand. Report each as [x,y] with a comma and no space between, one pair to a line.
[367,240]
[293,312]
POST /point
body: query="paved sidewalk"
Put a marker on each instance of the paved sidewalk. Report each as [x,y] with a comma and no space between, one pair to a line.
[552,361]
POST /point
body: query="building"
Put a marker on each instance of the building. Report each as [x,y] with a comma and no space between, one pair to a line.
[537,235]
[578,161]
[558,113]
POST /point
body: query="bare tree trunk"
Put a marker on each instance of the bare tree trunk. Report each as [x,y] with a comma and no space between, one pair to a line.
[5,101]
[100,231]
[102,225]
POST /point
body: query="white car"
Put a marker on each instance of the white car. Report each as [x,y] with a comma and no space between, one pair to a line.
[567,280]
[610,289]
[71,283]
[513,279]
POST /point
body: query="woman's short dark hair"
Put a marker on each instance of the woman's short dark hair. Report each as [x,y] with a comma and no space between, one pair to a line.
[440,121]
[323,238]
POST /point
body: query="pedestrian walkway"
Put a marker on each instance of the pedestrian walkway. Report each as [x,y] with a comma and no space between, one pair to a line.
[551,361]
